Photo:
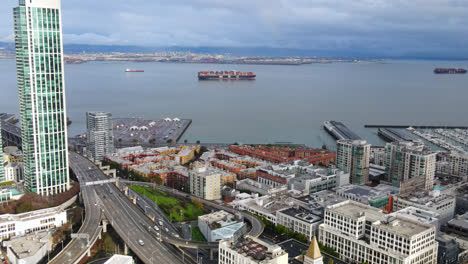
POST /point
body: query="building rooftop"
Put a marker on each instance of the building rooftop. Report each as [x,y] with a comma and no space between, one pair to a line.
[27,246]
[368,193]
[256,249]
[302,214]
[460,221]
[119,259]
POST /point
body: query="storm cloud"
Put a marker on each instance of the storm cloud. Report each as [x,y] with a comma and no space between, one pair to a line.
[385,27]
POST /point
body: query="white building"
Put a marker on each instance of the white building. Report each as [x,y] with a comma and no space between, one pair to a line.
[120,259]
[299,220]
[378,156]
[257,187]
[436,202]
[205,183]
[14,225]
[250,250]
[458,164]
[14,172]
[219,225]
[353,157]
[362,233]
[100,134]
[28,249]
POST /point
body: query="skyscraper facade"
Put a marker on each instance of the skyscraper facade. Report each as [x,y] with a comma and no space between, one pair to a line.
[410,166]
[353,156]
[41,89]
[100,135]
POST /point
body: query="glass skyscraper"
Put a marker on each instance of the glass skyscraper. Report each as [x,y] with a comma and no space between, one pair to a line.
[39,64]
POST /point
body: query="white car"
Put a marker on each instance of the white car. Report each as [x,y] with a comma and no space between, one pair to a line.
[141,242]
[160,222]
[156,228]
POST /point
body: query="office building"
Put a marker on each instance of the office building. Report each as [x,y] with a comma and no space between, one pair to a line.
[41,88]
[458,225]
[449,250]
[205,182]
[250,250]
[2,169]
[440,203]
[378,196]
[353,157]
[300,220]
[29,249]
[100,135]
[410,166]
[361,233]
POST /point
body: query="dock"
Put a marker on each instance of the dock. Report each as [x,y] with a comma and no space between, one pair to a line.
[339,131]
[415,126]
[391,135]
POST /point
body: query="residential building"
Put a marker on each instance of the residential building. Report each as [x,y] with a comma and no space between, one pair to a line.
[14,172]
[410,166]
[313,255]
[300,220]
[14,225]
[458,164]
[378,156]
[41,86]
[435,201]
[29,249]
[353,157]
[361,233]
[219,225]
[250,250]
[100,134]
[257,187]
[205,182]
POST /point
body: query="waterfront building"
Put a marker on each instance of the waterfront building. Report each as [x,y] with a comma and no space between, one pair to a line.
[353,157]
[100,134]
[205,183]
[2,169]
[250,250]
[361,233]
[219,225]
[440,203]
[41,87]
[16,225]
[410,166]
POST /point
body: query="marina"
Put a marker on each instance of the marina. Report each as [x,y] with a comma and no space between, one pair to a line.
[436,140]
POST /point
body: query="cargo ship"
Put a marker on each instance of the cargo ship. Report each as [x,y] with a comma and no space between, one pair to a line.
[226,75]
[129,70]
[449,71]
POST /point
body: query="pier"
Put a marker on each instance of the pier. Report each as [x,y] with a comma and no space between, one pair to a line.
[391,135]
[339,131]
[415,126]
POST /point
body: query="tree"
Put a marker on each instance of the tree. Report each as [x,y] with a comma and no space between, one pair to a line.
[23,208]
[330,261]
[197,204]
[235,144]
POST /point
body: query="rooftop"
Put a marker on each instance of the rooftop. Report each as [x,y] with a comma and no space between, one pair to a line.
[27,246]
[119,259]
[257,249]
[460,221]
[302,214]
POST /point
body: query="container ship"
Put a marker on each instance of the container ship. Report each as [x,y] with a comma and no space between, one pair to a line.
[129,70]
[449,71]
[226,75]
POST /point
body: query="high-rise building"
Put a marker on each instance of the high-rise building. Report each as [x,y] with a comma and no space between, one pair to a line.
[2,169]
[100,136]
[361,233]
[352,156]
[205,182]
[458,164]
[41,88]
[410,166]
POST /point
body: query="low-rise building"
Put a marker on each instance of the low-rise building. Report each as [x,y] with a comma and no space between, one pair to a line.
[362,233]
[14,225]
[434,201]
[219,225]
[458,225]
[458,164]
[250,250]
[300,220]
[120,259]
[379,196]
[29,249]
[257,187]
[14,172]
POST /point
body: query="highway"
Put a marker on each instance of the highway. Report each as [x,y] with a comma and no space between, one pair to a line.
[128,221]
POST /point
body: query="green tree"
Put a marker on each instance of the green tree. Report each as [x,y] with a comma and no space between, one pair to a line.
[330,261]
[197,204]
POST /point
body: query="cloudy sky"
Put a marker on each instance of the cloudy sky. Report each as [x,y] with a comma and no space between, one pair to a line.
[386,27]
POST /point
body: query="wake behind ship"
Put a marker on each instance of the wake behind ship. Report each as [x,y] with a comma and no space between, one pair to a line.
[226,75]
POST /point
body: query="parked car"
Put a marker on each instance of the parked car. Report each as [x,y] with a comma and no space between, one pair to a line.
[141,242]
